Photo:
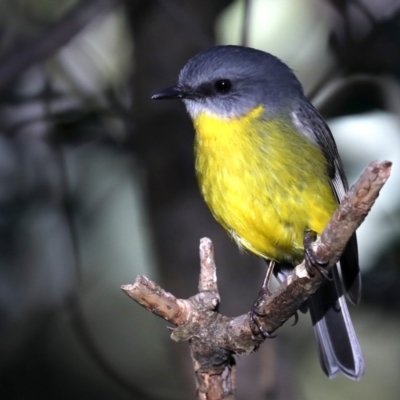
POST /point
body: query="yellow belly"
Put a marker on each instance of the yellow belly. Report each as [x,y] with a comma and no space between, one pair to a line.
[263,182]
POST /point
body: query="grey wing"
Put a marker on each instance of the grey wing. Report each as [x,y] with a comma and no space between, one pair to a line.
[308,120]
[310,123]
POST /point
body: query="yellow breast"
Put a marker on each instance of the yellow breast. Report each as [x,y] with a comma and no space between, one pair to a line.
[263,181]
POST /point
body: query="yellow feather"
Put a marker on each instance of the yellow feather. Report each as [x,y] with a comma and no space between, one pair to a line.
[263,181]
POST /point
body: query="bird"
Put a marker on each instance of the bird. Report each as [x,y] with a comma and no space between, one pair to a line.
[269,171]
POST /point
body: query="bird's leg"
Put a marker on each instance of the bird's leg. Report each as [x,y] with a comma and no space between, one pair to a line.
[265,286]
[312,263]
[255,310]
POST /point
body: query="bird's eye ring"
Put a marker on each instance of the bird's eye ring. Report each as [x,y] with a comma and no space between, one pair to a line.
[223,86]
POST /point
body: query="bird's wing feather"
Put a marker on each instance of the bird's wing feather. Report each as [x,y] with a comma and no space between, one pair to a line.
[310,123]
[309,120]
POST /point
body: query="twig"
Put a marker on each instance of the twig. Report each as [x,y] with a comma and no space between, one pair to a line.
[13,63]
[215,338]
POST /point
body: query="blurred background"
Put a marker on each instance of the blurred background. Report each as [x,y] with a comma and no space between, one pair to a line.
[97,186]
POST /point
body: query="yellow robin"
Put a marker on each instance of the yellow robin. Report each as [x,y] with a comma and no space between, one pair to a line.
[269,170]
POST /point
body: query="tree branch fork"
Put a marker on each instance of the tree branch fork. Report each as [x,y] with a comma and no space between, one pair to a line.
[213,337]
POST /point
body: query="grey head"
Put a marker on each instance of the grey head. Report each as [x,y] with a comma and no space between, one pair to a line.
[229,81]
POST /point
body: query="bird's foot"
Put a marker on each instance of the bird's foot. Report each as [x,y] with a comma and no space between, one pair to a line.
[256,311]
[255,315]
[312,262]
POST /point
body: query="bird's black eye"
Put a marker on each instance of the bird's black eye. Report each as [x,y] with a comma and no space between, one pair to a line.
[223,86]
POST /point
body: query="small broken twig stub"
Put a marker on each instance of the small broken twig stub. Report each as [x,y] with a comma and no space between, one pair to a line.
[215,338]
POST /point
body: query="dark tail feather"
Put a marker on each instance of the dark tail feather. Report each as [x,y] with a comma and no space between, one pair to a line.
[350,269]
[338,346]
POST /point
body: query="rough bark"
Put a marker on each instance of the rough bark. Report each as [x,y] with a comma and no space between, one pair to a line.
[215,338]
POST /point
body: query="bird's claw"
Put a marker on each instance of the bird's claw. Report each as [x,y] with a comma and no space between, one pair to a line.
[256,326]
[312,263]
[255,314]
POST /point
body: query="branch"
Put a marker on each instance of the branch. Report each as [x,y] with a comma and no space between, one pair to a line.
[214,338]
[13,63]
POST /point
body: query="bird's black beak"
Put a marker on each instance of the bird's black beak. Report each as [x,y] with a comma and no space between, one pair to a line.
[173,92]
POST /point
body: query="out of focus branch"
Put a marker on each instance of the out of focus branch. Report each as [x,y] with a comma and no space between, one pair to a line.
[215,338]
[248,8]
[13,63]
